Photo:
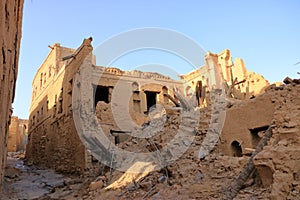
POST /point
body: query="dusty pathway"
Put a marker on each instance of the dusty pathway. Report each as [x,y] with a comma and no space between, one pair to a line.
[28,182]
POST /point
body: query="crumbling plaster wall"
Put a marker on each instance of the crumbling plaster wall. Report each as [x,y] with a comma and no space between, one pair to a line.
[53,141]
[127,107]
[128,87]
[48,72]
[10,35]
[241,119]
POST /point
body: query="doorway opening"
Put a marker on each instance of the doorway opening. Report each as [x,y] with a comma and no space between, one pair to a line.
[257,134]
[236,149]
[101,94]
[151,99]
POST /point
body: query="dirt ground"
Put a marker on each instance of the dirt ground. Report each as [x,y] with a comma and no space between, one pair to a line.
[30,182]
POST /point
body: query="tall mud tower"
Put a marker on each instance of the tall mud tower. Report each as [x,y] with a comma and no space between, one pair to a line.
[10,35]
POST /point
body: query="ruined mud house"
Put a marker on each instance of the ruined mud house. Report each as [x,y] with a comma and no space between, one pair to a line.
[244,84]
[10,35]
[275,167]
[53,141]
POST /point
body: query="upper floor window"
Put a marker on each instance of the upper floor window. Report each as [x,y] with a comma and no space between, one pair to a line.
[41,80]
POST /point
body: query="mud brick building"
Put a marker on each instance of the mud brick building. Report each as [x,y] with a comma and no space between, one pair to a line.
[10,35]
[245,84]
[53,140]
[17,137]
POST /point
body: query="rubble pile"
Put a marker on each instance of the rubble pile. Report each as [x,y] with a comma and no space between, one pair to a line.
[276,174]
[279,162]
[277,165]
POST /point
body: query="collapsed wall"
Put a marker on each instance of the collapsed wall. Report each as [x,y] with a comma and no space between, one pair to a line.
[277,165]
[245,124]
[130,96]
[10,35]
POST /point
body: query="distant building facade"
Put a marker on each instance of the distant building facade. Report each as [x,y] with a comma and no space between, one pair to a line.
[245,84]
[17,136]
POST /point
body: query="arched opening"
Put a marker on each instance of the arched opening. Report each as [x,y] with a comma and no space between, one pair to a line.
[165,91]
[188,91]
[198,90]
[265,175]
[256,135]
[136,97]
[135,86]
[236,149]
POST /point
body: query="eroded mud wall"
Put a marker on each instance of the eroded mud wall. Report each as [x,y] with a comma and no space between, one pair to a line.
[10,36]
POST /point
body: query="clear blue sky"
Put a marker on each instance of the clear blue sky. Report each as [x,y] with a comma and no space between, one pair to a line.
[265,33]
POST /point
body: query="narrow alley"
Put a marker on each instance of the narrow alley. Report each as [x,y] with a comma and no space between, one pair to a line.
[23,181]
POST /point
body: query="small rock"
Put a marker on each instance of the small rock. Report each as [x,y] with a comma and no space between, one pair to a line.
[290,124]
[146,185]
[156,196]
[270,87]
[96,185]
[102,178]
[132,187]
[196,190]
[176,186]
[297,81]
[279,88]
[199,177]
[249,182]
[288,80]
[162,179]
[11,173]
[283,142]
